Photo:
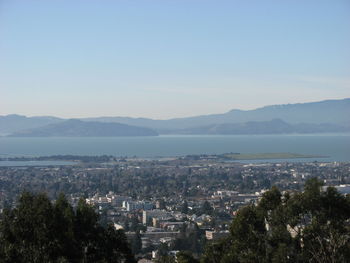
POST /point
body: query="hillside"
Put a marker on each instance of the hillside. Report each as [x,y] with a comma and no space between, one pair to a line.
[328,111]
[13,123]
[323,116]
[275,126]
[77,128]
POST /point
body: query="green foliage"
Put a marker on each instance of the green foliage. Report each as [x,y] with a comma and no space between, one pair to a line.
[39,231]
[163,254]
[216,252]
[185,257]
[166,259]
[136,243]
[312,226]
[271,199]
[192,239]
[248,232]
[184,208]
[206,209]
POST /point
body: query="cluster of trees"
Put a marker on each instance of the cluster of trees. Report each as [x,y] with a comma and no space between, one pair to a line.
[309,226]
[38,230]
[191,239]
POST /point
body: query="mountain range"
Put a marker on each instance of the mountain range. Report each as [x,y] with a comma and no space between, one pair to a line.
[323,116]
[78,128]
[328,111]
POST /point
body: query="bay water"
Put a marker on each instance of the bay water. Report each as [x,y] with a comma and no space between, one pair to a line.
[335,146]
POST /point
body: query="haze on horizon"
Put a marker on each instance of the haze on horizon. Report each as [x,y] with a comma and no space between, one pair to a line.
[165,59]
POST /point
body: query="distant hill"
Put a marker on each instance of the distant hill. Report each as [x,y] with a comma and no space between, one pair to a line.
[328,111]
[77,128]
[13,123]
[275,126]
[323,116]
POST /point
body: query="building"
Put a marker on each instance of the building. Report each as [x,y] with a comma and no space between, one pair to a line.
[148,215]
[214,235]
[138,205]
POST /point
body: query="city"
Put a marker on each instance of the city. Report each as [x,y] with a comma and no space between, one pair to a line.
[176,204]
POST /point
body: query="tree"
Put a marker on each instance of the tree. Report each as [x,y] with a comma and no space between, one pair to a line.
[185,257]
[270,199]
[27,232]
[326,238]
[206,208]
[311,226]
[136,243]
[191,239]
[184,207]
[39,231]
[134,224]
[248,235]
[217,251]
[163,254]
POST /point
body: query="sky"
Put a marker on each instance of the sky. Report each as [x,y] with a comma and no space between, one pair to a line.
[170,58]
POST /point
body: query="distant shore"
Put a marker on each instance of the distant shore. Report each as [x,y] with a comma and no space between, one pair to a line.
[107,158]
[267,156]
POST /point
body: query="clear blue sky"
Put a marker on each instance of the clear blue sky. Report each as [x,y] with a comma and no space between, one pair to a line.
[163,59]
